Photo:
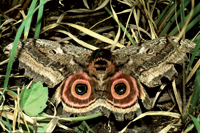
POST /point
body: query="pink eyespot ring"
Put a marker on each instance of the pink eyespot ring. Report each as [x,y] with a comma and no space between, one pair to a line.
[122,83]
[84,86]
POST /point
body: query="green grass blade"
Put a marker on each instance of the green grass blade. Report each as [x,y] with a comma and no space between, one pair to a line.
[191,127]
[18,35]
[196,123]
[28,24]
[182,14]
[15,94]
[171,21]
[39,21]
[196,92]
[85,128]
[7,122]
[192,23]
[194,53]
[164,13]
[198,53]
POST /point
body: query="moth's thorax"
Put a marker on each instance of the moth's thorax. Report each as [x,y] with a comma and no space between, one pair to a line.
[100,69]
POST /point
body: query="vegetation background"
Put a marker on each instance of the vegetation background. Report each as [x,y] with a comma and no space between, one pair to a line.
[94,24]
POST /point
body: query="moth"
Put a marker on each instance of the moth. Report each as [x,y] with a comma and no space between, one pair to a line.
[101,80]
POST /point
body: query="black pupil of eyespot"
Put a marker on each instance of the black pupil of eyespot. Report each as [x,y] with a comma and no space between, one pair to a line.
[149,51]
[81,89]
[52,51]
[120,88]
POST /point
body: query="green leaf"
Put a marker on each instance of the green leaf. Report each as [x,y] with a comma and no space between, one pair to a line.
[196,123]
[33,100]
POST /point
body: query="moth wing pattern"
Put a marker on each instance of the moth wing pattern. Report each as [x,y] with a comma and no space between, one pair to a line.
[153,60]
[48,61]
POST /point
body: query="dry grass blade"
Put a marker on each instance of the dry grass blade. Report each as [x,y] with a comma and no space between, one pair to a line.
[129,3]
[132,26]
[52,125]
[129,17]
[157,94]
[13,76]
[48,27]
[93,34]
[150,113]
[124,11]
[166,129]
[84,44]
[105,2]
[102,5]
[16,111]
[64,127]
[193,71]
[86,4]
[4,62]
[10,116]
[118,31]
[25,120]
[7,22]
[137,20]
[4,127]
[150,19]
[13,8]
[178,99]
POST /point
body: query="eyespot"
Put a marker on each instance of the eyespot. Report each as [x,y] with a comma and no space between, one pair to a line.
[77,90]
[81,89]
[149,51]
[120,88]
[52,51]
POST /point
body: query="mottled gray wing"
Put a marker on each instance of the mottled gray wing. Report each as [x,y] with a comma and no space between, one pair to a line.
[153,60]
[50,62]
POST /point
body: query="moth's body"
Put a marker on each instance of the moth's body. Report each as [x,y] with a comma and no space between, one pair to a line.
[102,81]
